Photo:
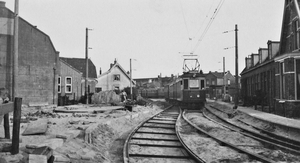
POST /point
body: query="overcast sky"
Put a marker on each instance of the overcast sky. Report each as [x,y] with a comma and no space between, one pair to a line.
[156,33]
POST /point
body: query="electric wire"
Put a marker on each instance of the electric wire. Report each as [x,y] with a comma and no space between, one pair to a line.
[209,24]
[184,19]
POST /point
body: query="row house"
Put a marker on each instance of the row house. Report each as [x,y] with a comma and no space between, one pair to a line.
[276,78]
[257,78]
[287,63]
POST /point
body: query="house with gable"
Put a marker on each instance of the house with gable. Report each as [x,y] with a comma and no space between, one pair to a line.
[71,80]
[69,83]
[287,62]
[116,78]
[214,84]
[37,61]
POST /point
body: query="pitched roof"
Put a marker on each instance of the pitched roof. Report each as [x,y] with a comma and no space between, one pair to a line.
[218,74]
[116,65]
[80,65]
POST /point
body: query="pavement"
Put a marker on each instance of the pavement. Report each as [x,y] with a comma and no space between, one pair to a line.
[272,118]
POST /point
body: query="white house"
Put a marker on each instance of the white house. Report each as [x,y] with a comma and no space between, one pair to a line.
[115,78]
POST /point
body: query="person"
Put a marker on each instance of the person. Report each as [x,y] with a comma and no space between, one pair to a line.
[124,95]
[233,113]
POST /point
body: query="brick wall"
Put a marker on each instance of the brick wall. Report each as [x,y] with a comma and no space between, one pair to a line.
[37,62]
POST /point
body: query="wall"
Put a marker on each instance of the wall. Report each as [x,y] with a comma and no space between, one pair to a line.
[37,63]
[106,81]
[67,71]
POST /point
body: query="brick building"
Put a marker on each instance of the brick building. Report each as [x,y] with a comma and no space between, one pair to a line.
[257,78]
[37,60]
[72,77]
[287,63]
[276,76]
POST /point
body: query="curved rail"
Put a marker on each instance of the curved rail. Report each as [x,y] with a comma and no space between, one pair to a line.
[254,155]
[163,138]
[283,144]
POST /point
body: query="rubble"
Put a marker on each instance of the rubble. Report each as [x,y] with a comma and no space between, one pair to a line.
[77,137]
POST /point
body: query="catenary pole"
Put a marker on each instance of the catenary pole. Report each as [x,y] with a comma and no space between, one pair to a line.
[16,51]
[86,66]
[224,82]
[236,67]
[130,81]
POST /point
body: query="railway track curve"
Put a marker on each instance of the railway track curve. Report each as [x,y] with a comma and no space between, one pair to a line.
[157,140]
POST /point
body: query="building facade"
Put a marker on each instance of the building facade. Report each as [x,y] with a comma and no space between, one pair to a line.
[37,61]
[258,77]
[69,81]
[116,78]
[287,63]
[78,87]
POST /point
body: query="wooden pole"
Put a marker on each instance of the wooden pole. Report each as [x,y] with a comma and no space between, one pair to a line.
[16,126]
[86,66]
[6,126]
[131,97]
[236,67]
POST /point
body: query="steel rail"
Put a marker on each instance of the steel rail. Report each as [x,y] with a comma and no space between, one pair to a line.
[186,155]
[254,155]
[264,138]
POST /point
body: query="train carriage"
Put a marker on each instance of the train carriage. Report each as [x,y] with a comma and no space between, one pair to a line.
[188,90]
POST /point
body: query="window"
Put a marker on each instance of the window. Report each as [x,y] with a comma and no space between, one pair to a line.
[202,84]
[228,82]
[298,78]
[117,77]
[68,83]
[213,82]
[194,83]
[296,34]
[59,84]
[185,84]
[98,89]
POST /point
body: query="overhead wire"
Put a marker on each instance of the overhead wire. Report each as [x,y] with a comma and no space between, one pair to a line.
[184,19]
[209,24]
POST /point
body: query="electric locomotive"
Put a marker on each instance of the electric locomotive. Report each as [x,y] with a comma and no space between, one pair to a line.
[188,90]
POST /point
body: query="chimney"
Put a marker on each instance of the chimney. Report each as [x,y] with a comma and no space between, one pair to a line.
[115,61]
[100,72]
[2,4]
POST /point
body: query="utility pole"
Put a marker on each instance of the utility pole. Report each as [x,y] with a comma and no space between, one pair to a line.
[16,51]
[131,81]
[236,67]
[224,82]
[86,66]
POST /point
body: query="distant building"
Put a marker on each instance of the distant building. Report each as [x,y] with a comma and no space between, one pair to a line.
[258,77]
[159,82]
[116,78]
[72,83]
[214,84]
[37,61]
[69,82]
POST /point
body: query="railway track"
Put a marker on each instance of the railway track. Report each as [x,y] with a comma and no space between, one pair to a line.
[251,155]
[157,140]
[256,133]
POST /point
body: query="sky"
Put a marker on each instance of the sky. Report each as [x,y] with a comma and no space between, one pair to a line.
[156,34]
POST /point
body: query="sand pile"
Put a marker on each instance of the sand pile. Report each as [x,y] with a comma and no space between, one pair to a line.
[106,97]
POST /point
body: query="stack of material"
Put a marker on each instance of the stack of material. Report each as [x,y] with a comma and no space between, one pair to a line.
[106,97]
